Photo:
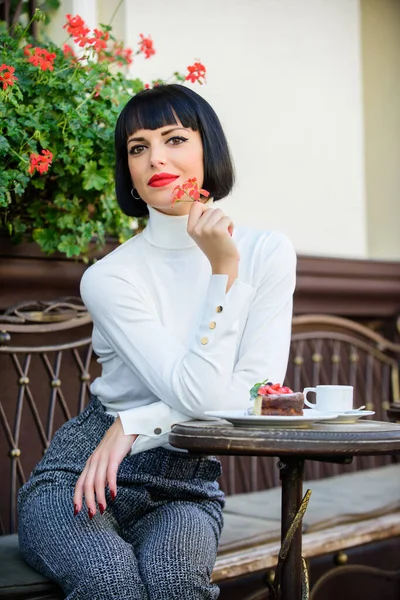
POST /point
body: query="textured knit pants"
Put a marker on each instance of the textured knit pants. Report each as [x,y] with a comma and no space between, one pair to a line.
[156,541]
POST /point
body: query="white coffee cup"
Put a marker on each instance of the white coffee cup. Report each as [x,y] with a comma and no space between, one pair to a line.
[337,398]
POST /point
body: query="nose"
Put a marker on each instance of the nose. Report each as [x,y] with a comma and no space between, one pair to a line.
[157,155]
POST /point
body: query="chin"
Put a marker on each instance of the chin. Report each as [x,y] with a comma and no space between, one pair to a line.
[160,199]
[160,202]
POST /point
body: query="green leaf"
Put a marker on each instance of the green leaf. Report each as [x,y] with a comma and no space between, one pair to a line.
[39,183]
[137,85]
[66,221]
[69,247]
[19,227]
[93,179]
[5,196]
[4,145]
[255,388]
[46,238]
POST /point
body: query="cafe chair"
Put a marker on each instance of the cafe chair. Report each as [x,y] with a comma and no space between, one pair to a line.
[46,366]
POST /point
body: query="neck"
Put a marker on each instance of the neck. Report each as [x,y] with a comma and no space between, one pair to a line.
[167,231]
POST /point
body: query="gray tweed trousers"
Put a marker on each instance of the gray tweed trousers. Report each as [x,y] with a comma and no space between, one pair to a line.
[156,541]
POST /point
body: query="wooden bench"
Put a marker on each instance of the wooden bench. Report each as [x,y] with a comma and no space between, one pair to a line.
[45,347]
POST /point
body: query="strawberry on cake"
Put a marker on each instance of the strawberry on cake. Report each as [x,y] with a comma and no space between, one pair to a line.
[275,400]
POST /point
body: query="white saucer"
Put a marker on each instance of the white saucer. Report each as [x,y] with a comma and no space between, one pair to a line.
[240,418]
[351,416]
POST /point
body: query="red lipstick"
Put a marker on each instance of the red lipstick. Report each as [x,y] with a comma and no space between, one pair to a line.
[161,179]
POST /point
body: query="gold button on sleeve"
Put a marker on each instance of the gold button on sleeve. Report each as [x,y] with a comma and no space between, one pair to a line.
[219,308]
[204,340]
[212,325]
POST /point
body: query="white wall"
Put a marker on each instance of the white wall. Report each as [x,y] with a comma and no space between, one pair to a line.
[285,78]
[381,52]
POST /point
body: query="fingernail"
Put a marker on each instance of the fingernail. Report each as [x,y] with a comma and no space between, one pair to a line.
[113,494]
[91,514]
[76,510]
[101,508]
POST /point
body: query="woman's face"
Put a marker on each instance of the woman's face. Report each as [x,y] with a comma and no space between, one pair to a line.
[161,159]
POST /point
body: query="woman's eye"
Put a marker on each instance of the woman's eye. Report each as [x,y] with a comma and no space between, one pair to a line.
[177,139]
[136,149]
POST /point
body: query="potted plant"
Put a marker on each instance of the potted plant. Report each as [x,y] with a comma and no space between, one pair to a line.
[58,108]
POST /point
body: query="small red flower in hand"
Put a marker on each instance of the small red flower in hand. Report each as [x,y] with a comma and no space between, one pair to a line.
[191,189]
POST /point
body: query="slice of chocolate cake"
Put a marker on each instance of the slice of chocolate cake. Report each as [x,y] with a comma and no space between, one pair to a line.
[286,405]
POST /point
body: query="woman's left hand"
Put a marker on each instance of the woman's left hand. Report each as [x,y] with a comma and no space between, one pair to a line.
[101,469]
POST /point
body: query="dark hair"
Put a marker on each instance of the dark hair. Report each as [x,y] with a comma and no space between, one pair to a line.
[157,107]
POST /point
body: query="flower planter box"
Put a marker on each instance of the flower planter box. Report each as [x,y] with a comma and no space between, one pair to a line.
[29,274]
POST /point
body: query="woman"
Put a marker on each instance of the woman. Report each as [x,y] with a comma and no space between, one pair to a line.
[187,316]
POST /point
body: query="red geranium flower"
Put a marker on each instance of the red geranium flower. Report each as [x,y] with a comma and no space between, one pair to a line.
[146,46]
[7,76]
[196,72]
[122,55]
[68,51]
[40,58]
[127,54]
[41,163]
[78,29]
[99,40]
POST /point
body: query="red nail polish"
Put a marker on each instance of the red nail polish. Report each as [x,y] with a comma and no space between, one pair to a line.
[76,510]
[91,514]
[101,508]
[113,494]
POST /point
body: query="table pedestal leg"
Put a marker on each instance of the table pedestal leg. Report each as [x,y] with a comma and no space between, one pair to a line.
[291,473]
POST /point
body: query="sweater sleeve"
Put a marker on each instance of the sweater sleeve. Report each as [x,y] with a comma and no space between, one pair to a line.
[190,380]
[265,344]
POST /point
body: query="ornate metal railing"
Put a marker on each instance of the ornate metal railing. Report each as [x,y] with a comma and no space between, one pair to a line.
[45,370]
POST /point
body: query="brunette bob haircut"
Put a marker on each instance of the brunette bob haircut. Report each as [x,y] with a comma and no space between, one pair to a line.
[160,106]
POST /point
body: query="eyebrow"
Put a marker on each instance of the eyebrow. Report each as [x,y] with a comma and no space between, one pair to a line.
[164,133]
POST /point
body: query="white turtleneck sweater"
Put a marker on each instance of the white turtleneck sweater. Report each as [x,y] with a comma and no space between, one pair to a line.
[172,343]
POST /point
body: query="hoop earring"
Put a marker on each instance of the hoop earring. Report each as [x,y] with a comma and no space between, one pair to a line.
[133,195]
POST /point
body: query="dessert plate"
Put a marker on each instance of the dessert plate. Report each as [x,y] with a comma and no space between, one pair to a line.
[351,416]
[240,418]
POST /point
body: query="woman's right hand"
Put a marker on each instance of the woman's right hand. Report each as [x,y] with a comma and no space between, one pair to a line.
[101,469]
[212,231]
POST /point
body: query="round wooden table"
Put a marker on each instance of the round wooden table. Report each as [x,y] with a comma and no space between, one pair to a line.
[326,442]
